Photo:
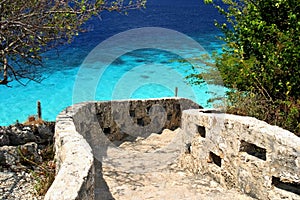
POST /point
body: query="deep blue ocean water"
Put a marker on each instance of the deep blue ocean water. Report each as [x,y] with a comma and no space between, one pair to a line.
[142,73]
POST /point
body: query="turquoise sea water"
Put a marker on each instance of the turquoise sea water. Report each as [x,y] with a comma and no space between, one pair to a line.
[142,73]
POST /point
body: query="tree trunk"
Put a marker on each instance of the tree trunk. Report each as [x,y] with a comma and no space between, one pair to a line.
[5,76]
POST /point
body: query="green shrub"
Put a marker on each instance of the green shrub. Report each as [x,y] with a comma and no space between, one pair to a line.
[280,113]
[260,60]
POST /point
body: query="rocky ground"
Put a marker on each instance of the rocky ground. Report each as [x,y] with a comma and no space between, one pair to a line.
[26,160]
[150,169]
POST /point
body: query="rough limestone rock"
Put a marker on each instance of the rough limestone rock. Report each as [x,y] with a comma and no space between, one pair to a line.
[14,156]
[4,138]
[20,155]
[118,118]
[19,134]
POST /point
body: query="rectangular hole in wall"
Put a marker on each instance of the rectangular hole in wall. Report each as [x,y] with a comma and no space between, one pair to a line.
[211,111]
[148,109]
[290,187]
[106,130]
[201,131]
[132,113]
[140,122]
[215,159]
[188,148]
[253,150]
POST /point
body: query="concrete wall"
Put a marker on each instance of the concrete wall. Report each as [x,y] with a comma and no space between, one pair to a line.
[260,160]
[84,131]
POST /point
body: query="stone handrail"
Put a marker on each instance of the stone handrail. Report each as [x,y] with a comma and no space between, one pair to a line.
[74,160]
[83,132]
[260,160]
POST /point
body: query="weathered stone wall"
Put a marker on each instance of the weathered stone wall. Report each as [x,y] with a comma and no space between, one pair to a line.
[260,160]
[84,131]
[119,118]
[74,160]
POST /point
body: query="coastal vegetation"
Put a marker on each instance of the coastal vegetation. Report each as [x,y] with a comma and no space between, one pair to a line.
[260,60]
[29,28]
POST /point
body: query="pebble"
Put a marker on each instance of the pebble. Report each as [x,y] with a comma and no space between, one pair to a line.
[17,186]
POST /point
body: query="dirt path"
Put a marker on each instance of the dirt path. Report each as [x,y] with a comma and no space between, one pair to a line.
[147,169]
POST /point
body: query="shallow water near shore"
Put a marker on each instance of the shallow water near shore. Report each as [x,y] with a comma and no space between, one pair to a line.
[62,64]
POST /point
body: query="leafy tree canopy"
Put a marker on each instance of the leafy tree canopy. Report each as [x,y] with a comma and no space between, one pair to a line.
[263,45]
[261,58]
[31,27]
